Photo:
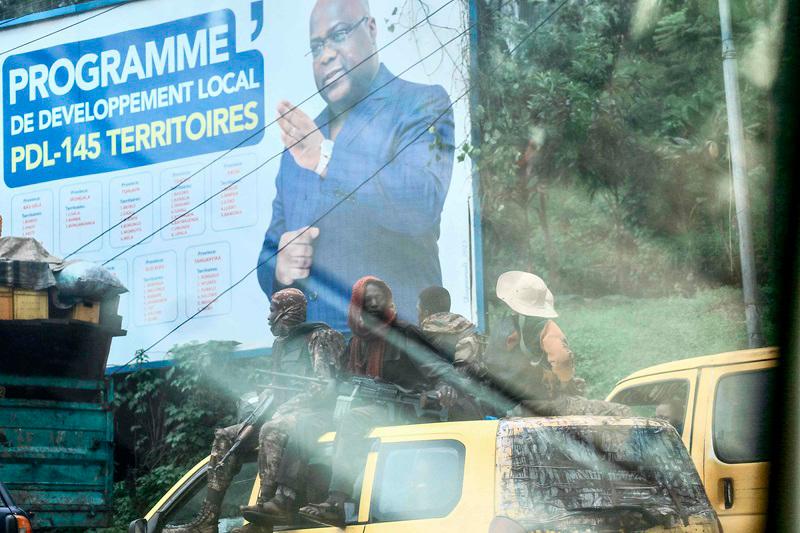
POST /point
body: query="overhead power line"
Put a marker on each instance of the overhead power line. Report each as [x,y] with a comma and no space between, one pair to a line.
[34,8]
[469,88]
[238,145]
[271,158]
[59,30]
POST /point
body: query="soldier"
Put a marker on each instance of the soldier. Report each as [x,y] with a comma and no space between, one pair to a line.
[285,476]
[519,363]
[385,348]
[529,359]
[300,348]
[534,331]
[456,340]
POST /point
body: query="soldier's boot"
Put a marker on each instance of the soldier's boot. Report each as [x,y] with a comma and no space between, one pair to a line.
[205,521]
[279,510]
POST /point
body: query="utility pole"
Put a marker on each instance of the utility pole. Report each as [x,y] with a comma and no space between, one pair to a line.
[739,173]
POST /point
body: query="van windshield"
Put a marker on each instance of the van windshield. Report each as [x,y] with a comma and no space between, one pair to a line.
[601,477]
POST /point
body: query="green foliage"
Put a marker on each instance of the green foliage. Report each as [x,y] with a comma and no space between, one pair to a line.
[135,497]
[169,406]
[614,336]
[604,168]
[174,413]
[603,154]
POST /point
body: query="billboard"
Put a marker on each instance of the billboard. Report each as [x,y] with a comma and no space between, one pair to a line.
[181,145]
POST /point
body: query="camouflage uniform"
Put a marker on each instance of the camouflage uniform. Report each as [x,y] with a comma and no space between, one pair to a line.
[457,341]
[325,347]
[310,349]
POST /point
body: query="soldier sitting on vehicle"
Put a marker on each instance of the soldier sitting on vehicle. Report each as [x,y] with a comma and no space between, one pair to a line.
[300,348]
[385,348]
[528,358]
[456,340]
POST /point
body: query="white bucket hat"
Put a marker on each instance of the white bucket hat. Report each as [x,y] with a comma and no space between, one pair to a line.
[526,294]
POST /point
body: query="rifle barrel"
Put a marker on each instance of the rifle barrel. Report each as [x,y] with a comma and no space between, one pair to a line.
[279,387]
[291,376]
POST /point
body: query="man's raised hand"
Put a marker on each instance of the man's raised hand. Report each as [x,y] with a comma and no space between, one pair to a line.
[300,135]
[295,255]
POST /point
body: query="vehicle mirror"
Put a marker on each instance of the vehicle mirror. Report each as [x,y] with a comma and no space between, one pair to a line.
[11,524]
[138,526]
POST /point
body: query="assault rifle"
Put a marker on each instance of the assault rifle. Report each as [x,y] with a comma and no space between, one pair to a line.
[370,390]
[388,394]
[252,421]
[264,409]
[292,377]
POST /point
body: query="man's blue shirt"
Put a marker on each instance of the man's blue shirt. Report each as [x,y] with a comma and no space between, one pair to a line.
[389,227]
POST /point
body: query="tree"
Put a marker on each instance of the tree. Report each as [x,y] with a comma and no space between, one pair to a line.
[626,107]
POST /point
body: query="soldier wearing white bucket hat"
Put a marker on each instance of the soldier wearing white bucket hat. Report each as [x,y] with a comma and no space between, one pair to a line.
[538,336]
[529,359]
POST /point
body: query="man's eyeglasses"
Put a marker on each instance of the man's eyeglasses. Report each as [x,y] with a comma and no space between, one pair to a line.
[334,38]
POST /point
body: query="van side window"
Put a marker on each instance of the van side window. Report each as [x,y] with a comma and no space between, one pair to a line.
[742,416]
[416,480]
[665,400]
[191,497]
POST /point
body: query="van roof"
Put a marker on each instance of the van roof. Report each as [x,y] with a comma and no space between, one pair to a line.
[598,464]
[490,427]
[726,358]
[580,420]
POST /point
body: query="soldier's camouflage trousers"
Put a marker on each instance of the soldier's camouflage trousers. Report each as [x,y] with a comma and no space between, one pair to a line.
[271,443]
[271,440]
[275,465]
[220,477]
[305,429]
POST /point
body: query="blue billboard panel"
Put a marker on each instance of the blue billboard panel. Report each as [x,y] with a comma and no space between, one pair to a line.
[130,99]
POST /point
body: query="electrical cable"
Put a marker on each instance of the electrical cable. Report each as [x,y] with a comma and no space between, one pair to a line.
[239,144]
[350,194]
[6,22]
[259,166]
[4,52]
[33,11]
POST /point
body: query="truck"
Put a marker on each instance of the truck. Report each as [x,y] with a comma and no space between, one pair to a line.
[56,426]
[56,422]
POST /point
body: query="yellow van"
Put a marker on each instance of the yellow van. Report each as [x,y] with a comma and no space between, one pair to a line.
[494,476]
[720,406]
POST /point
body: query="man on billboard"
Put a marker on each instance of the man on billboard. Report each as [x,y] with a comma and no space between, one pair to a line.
[383,152]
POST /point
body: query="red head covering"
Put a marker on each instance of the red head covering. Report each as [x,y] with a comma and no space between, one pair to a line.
[368,342]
